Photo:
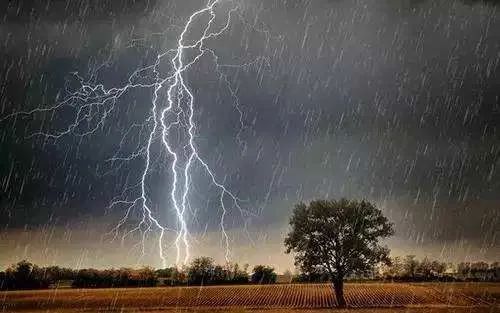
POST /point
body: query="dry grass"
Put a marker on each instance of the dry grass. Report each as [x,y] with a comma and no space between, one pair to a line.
[240,298]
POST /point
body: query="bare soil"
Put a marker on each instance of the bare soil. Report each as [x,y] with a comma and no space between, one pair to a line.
[280,298]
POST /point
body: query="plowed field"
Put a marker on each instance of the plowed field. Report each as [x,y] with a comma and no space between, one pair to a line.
[300,296]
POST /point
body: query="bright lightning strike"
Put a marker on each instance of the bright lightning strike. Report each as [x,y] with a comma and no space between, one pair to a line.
[93,103]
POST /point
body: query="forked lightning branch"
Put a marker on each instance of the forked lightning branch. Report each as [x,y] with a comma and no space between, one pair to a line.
[173,106]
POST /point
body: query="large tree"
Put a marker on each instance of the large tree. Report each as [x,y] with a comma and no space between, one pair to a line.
[340,238]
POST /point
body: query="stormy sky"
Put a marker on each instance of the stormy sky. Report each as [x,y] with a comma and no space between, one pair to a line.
[396,102]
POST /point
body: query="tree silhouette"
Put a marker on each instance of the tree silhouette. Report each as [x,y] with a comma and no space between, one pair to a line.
[263,274]
[201,270]
[340,238]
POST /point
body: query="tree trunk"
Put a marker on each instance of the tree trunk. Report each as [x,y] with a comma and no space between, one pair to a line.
[338,286]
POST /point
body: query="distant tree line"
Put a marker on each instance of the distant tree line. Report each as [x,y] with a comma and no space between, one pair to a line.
[411,269]
[25,275]
[123,277]
[204,271]
[201,271]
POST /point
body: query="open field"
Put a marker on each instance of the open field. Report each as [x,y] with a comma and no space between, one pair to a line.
[278,310]
[480,296]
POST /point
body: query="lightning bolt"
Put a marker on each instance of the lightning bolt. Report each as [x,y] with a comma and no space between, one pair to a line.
[93,104]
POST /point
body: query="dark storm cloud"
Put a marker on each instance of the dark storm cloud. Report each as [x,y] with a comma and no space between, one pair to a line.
[394,101]
[42,41]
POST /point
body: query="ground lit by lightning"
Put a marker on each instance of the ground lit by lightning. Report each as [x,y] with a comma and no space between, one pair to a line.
[173,106]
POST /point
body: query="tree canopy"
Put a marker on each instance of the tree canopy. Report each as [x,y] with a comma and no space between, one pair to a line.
[263,274]
[340,238]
